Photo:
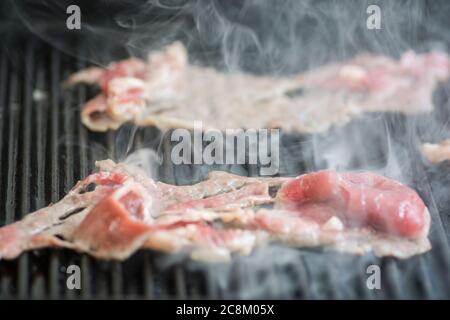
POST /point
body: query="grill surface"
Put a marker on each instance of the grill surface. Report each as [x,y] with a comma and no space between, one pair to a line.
[45,150]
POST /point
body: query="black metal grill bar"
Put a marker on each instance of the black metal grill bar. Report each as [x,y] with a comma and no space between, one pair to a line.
[9,160]
[3,105]
[38,280]
[180,283]
[211,289]
[117,284]
[13,128]
[148,278]
[395,288]
[426,283]
[86,278]
[55,160]
[24,156]
[4,132]
[69,142]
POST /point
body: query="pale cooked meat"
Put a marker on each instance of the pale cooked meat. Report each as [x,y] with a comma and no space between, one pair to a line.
[332,234]
[217,182]
[205,242]
[380,83]
[168,92]
[126,211]
[50,225]
[436,152]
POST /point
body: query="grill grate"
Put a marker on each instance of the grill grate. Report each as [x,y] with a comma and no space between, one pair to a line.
[45,149]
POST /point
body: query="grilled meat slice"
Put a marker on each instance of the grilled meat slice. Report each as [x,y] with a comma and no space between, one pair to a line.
[127,210]
[168,92]
[361,198]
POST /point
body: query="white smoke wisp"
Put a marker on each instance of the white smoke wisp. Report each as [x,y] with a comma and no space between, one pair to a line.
[147,160]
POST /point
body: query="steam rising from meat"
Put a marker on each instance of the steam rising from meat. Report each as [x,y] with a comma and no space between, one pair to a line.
[253,35]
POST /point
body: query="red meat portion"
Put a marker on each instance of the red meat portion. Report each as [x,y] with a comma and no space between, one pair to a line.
[126,68]
[358,199]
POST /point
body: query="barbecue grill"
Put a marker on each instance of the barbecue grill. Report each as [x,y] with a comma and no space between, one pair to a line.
[45,149]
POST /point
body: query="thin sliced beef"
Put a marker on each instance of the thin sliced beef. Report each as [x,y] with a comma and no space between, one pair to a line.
[51,225]
[359,199]
[118,210]
[126,211]
[168,92]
